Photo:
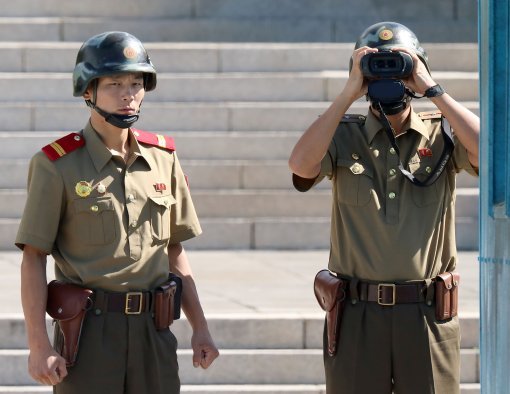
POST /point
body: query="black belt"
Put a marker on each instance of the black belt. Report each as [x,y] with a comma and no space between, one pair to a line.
[391,294]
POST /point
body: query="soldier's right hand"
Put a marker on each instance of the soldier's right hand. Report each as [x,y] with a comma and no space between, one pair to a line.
[47,367]
[356,85]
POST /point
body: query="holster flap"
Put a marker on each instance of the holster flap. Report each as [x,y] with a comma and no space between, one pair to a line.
[328,289]
[66,301]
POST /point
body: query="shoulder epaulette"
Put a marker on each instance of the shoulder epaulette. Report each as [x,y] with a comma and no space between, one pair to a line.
[430,115]
[163,141]
[350,118]
[63,146]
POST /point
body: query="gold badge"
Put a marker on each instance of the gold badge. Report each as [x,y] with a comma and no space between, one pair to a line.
[386,35]
[83,188]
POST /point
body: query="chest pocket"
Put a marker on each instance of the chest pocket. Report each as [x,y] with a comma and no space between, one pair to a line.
[97,220]
[354,182]
[160,207]
[423,196]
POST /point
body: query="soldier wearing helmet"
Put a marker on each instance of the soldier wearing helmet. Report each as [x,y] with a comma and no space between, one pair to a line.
[391,326]
[117,208]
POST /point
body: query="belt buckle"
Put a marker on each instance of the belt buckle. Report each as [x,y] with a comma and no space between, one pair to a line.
[127,308]
[380,286]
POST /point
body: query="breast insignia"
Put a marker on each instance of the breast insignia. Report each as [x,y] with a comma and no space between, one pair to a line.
[63,146]
[162,141]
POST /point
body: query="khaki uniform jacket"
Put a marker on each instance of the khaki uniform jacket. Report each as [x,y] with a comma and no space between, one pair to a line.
[384,228]
[107,223]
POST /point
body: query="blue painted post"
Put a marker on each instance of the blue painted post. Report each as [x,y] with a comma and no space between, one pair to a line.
[494,196]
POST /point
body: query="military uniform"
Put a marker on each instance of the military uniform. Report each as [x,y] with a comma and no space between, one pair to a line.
[384,229]
[108,224]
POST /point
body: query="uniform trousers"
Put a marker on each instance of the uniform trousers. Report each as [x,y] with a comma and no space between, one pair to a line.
[122,354]
[401,349]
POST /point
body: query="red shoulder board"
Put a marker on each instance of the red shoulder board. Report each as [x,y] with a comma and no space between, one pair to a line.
[63,146]
[163,141]
[430,115]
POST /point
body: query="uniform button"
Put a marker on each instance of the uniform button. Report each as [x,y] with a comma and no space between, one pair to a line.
[133,223]
[97,312]
[428,169]
[392,195]
[94,208]
[77,138]
[131,198]
[355,156]
[393,151]
[101,188]
[357,168]
[393,172]
[376,152]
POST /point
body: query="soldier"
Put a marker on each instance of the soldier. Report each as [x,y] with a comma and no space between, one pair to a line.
[111,205]
[393,219]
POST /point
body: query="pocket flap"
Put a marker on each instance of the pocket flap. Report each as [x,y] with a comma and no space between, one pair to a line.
[66,301]
[165,201]
[93,205]
[328,289]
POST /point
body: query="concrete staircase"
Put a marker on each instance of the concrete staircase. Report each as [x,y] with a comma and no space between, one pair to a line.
[235,111]
[264,354]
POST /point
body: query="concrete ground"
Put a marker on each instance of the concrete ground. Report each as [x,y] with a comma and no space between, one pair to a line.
[250,282]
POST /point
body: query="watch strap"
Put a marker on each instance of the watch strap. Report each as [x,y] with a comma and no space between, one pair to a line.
[434,91]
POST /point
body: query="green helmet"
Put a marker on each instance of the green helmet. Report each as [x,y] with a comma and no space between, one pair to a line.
[387,35]
[111,53]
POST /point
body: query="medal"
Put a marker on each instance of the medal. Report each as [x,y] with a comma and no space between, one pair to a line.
[83,188]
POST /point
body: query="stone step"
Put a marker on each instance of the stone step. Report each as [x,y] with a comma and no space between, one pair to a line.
[241,9]
[465,388]
[228,116]
[246,28]
[242,331]
[251,203]
[294,233]
[238,366]
[210,174]
[214,87]
[229,57]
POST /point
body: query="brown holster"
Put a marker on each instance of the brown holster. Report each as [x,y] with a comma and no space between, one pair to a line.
[447,295]
[330,293]
[165,304]
[68,304]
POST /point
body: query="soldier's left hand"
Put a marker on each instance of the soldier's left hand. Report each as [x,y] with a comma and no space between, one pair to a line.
[204,349]
[420,80]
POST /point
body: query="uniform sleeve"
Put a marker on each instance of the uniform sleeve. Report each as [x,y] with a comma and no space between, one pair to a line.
[42,213]
[305,184]
[461,159]
[184,221]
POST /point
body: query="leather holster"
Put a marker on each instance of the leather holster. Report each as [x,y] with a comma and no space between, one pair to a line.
[68,304]
[167,302]
[330,293]
[447,295]
[164,305]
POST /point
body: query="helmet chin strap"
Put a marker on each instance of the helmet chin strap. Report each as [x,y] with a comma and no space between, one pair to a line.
[120,121]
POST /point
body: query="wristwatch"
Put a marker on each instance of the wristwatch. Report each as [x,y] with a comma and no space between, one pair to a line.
[434,91]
